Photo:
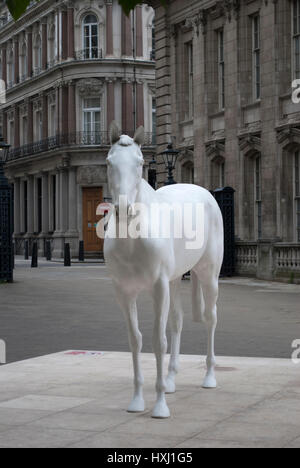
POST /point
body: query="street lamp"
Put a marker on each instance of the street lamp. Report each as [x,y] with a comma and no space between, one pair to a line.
[170,156]
[6,219]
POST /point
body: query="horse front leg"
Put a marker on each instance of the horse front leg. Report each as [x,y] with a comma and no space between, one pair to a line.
[161,295]
[128,304]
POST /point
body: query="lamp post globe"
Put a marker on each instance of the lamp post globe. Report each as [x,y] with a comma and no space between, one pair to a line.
[170,156]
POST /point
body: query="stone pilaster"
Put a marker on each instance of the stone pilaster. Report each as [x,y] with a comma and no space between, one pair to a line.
[4,64]
[16,59]
[30,206]
[71,37]
[45,203]
[127,107]
[110,102]
[126,35]
[139,31]
[109,29]
[17,197]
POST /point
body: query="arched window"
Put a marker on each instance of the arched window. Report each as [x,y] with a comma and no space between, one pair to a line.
[253,197]
[90,37]
[187,173]
[24,62]
[38,54]
[11,68]
[52,46]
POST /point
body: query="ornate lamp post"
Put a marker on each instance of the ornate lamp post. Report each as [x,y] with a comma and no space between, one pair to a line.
[170,156]
[6,219]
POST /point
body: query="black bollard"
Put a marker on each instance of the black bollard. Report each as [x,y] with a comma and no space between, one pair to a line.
[26,250]
[81,251]
[34,259]
[67,261]
[48,251]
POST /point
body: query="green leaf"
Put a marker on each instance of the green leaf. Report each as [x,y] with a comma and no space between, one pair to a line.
[129,5]
[17,7]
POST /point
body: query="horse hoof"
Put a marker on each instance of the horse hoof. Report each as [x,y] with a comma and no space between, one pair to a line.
[170,386]
[209,382]
[136,406]
[161,411]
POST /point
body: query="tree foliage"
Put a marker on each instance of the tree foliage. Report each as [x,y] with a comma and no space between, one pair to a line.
[18,7]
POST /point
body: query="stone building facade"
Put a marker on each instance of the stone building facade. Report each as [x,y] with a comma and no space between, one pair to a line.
[70,68]
[228,107]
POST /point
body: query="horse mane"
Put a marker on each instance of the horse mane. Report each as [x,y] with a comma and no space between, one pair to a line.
[125,140]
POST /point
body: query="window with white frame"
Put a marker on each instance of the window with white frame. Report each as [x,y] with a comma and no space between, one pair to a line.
[38,133]
[296,38]
[11,68]
[297,194]
[154,121]
[90,37]
[258,199]
[24,62]
[221,69]
[24,130]
[38,55]
[92,120]
[256,57]
[52,120]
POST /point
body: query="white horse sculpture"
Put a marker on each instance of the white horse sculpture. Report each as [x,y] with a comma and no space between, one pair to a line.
[157,265]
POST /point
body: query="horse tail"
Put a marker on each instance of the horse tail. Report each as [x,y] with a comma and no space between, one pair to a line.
[198,300]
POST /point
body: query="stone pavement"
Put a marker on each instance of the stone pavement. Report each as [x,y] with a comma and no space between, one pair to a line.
[69,400]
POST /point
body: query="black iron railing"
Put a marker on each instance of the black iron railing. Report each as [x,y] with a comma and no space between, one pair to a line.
[85,139]
[89,54]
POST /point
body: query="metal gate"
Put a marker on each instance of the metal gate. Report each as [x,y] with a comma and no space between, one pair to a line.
[6,229]
[225,199]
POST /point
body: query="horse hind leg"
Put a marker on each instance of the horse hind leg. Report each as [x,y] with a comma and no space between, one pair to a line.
[176,322]
[197,299]
[210,293]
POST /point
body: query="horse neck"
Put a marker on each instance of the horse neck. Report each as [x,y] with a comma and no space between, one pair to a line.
[146,193]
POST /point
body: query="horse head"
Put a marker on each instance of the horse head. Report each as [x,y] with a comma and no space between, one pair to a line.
[125,166]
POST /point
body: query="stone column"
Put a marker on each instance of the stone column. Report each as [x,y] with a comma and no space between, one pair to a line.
[17,224]
[110,102]
[71,37]
[127,107]
[126,35]
[45,203]
[36,206]
[30,206]
[58,34]
[109,29]
[4,64]
[17,127]
[30,122]
[29,53]
[140,114]
[139,31]
[72,196]
[58,104]
[45,116]
[4,126]
[64,34]
[62,109]
[72,110]
[22,207]
[44,44]
[16,60]
[63,202]
[57,202]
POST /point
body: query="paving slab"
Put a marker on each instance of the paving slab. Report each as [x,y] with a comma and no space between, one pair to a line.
[79,399]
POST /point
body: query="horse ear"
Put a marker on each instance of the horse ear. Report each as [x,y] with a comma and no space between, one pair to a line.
[139,136]
[115,133]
